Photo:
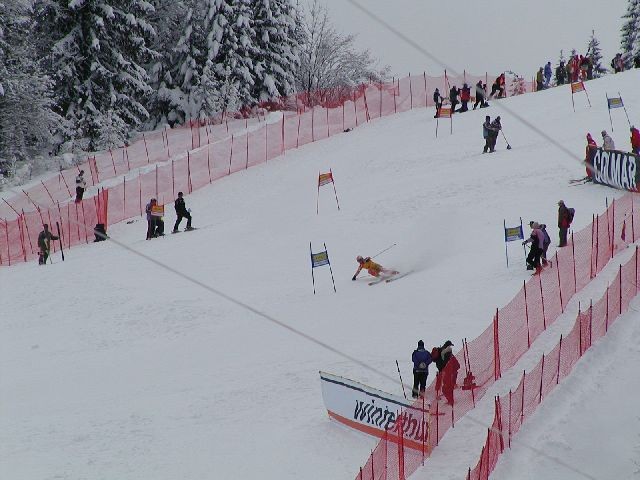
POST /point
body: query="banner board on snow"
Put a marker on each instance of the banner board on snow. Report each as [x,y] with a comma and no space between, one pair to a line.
[615,168]
[373,411]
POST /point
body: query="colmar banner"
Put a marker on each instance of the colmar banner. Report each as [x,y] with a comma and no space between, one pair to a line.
[615,168]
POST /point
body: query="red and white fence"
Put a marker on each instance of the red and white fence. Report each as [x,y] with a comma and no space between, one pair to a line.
[513,329]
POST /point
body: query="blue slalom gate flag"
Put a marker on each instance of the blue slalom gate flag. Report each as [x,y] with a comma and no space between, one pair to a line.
[615,102]
[320,259]
[511,234]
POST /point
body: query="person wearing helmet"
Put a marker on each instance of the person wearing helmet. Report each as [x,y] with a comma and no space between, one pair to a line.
[374,269]
[607,141]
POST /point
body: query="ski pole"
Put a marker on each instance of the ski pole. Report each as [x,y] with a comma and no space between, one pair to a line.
[382,251]
[400,375]
[505,139]
[60,239]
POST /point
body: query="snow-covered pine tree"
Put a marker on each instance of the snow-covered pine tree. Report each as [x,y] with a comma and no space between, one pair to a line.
[188,57]
[630,35]
[594,52]
[167,20]
[518,86]
[98,49]
[277,60]
[231,43]
[27,122]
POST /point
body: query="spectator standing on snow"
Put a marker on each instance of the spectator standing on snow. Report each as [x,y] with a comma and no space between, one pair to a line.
[486,126]
[539,80]
[448,367]
[421,360]
[453,98]
[537,245]
[548,72]
[44,244]
[465,96]
[565,217]
[181,212]
[437,99]
[480,93]
[545,243]
[591,143]
[155,224]
[494,128]
[635,140]
[607,141]
[81,185]
[561,73]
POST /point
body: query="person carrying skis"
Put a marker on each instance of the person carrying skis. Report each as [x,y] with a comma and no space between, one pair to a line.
[44,244]
[81,185]
[374,269]
[537,245]
[635,140]
[607,141]
[181,212]
[421,360]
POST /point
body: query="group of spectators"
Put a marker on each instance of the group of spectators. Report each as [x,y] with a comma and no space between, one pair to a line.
[446,363]
[462,96]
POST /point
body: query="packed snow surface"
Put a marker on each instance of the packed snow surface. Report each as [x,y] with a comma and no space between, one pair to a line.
[112,366]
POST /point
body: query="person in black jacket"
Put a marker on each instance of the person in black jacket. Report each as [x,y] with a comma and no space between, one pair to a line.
[448,367]
[181,212]
[453,98]
[421,360]
[437,99]
[44,243]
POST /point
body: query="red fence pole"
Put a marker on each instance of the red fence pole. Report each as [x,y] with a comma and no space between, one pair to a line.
[573,251]
[526,312]
[559,356]
[247,164]
[510,400]
[124,198]
[209,162]
[173,178]
[541,378]
[189,185]
[410,92]
[544,316]
[231,151]
[559,284]
[620,280]
[496,348]
[613,225]
[606,318]
[113,163]
[524,378]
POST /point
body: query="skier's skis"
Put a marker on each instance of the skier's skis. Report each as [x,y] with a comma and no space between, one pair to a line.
[377,281]
[398,276]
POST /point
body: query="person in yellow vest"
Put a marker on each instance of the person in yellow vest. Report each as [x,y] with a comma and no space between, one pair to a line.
[374,269]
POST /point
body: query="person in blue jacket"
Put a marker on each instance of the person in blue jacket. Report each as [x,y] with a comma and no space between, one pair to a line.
[421,360]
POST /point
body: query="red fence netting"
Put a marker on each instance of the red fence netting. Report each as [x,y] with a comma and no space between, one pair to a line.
[516,326]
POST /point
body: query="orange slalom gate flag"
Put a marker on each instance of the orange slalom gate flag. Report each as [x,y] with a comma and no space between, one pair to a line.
[325,178]
[157,211]
[445,112]
[577,87]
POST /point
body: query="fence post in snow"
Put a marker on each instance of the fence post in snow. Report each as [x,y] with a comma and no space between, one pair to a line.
[496,348]
[559,357]
[573,252]
[559,284]
[541,379]
[526,312]
[544,316]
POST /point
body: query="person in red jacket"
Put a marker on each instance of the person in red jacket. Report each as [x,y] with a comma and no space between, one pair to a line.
[635,140]
[591,143]
[465,96]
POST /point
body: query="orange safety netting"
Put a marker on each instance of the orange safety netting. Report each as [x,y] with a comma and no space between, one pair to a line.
[538,304]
